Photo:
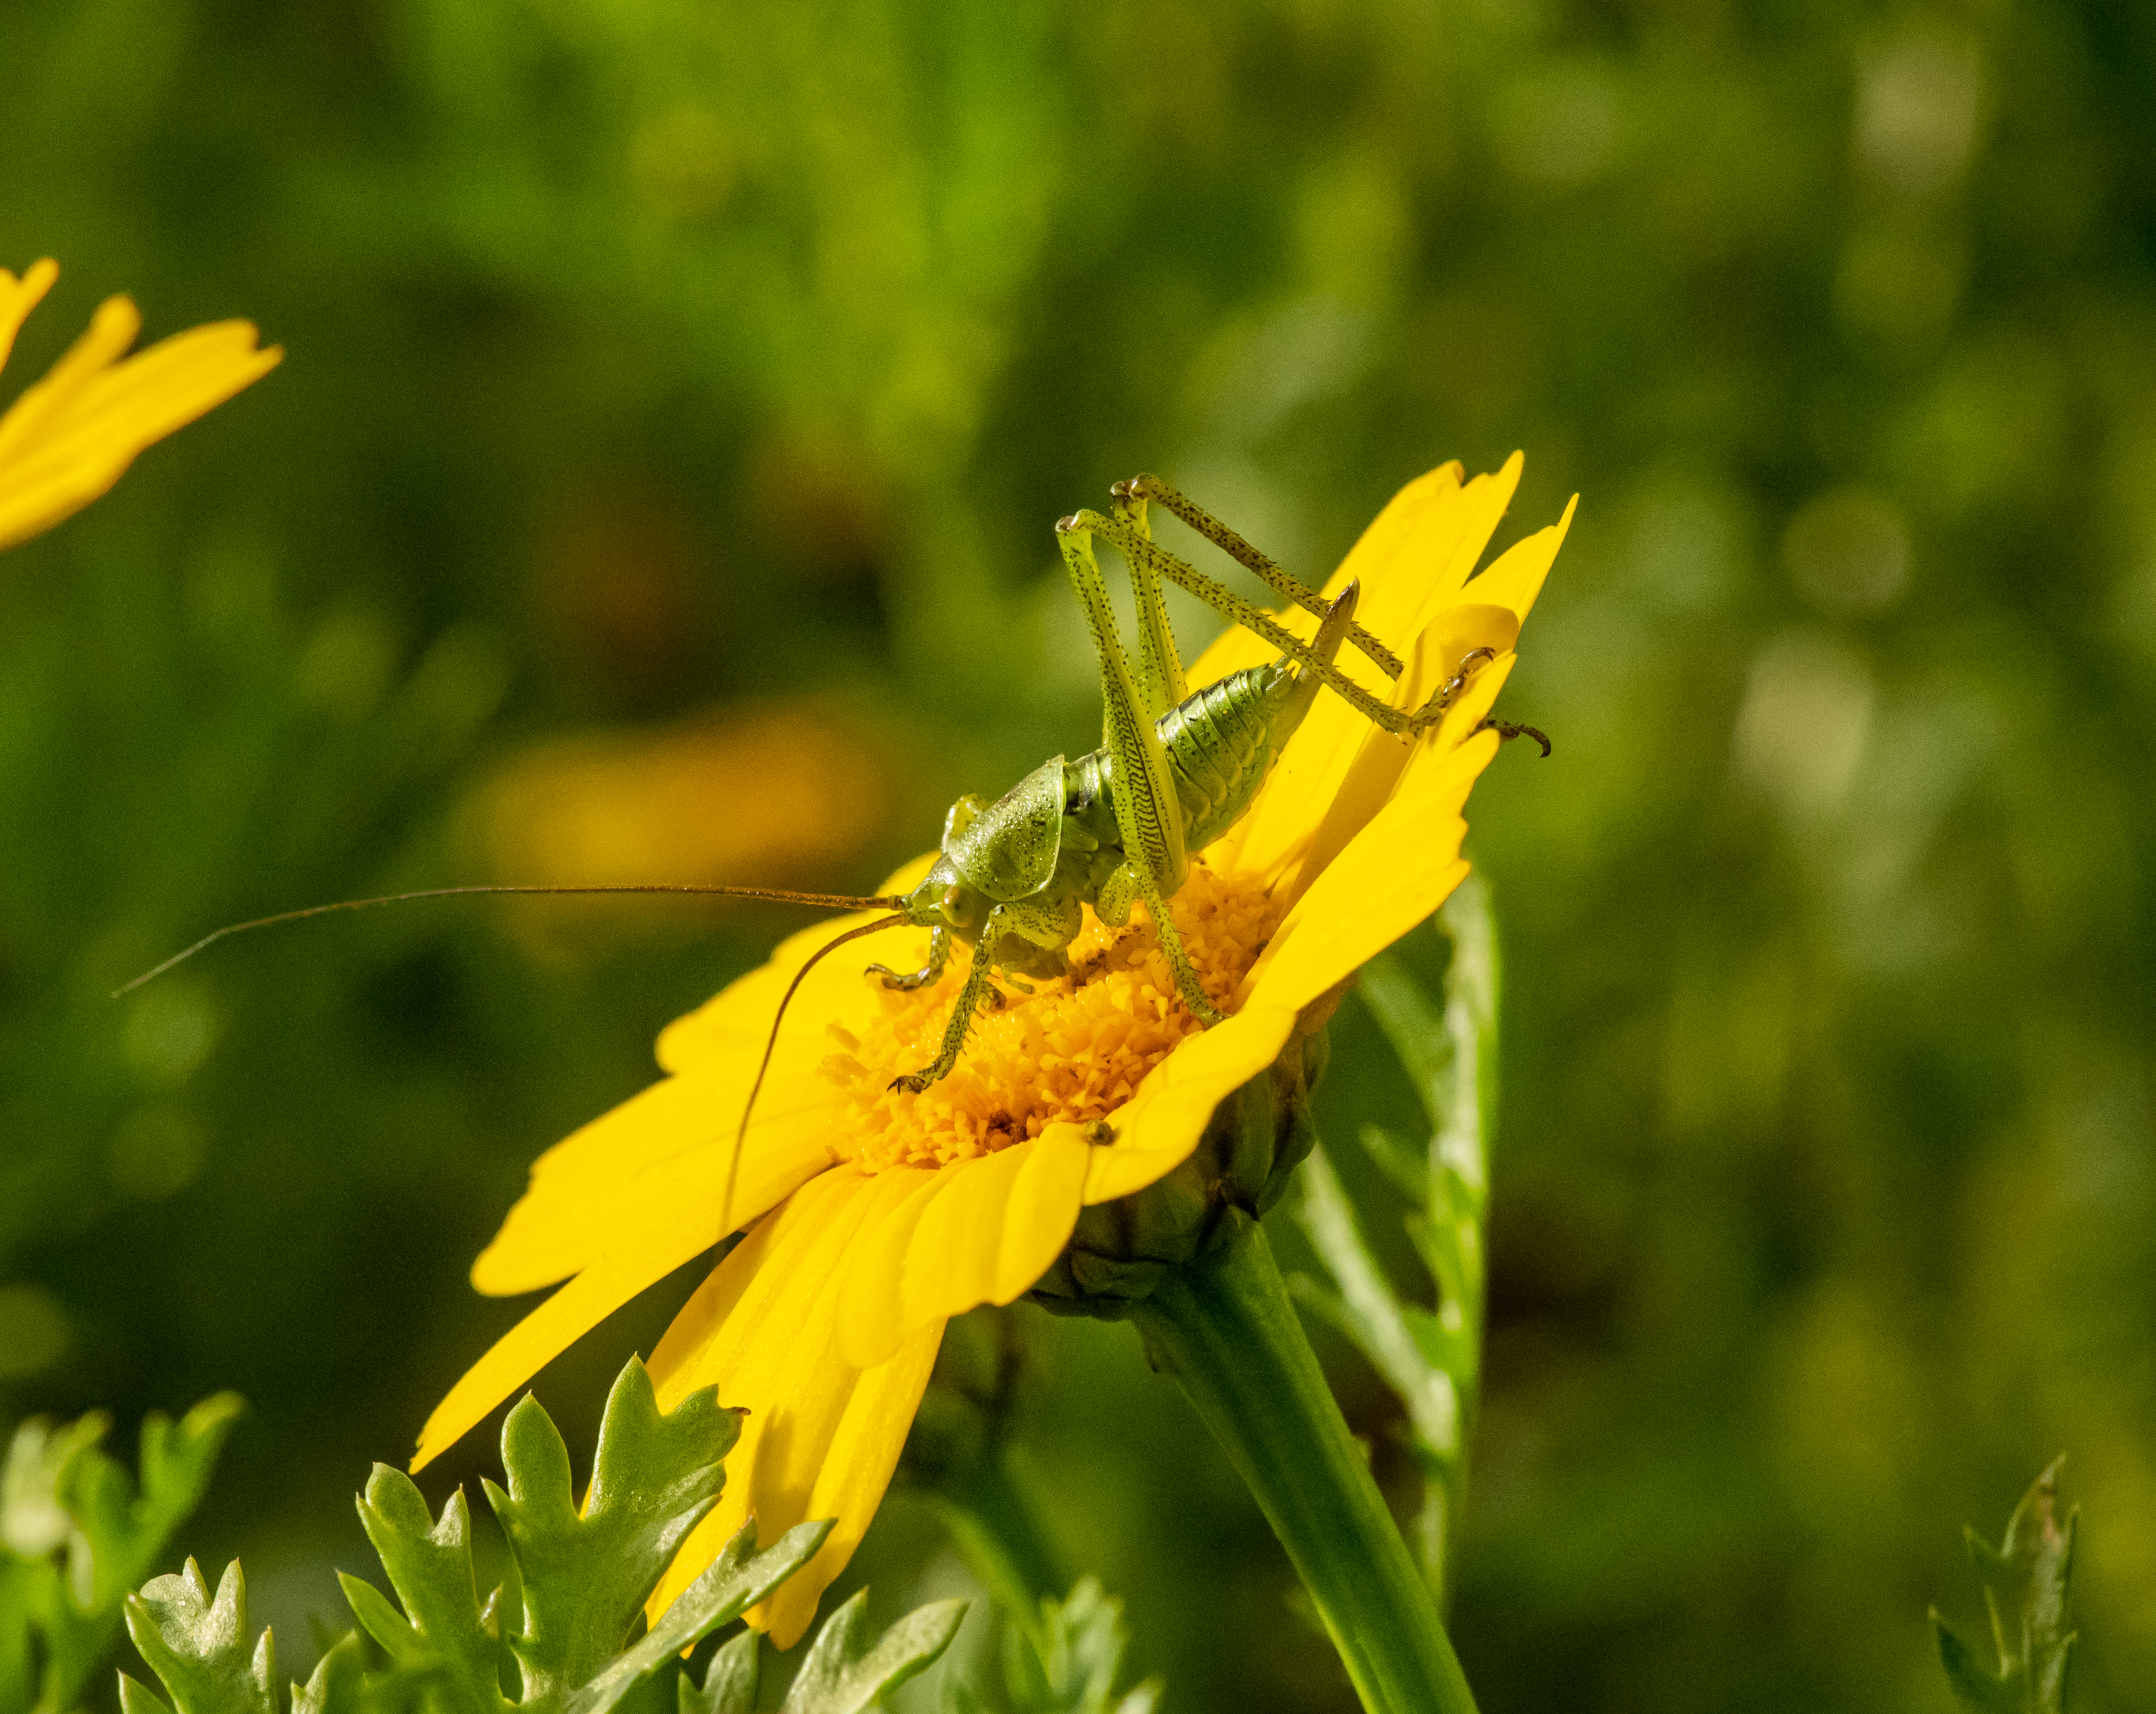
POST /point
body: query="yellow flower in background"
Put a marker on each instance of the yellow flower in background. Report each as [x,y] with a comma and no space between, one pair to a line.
[786,790]
[874,1215]
[72,435]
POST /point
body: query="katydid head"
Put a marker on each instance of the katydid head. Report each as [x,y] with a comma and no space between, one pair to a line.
[946,900]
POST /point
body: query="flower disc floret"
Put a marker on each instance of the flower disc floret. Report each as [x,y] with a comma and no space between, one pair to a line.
[1071,1052]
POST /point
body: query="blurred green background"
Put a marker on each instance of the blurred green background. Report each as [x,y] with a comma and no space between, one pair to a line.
[658,486]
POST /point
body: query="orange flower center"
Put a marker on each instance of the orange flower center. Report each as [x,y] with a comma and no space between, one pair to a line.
[1075,1048]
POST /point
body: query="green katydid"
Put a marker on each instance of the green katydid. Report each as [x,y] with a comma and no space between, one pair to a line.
[1175,771]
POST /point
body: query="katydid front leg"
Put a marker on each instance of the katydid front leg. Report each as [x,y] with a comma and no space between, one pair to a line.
[939,955]
[969,1001]
[1046,924]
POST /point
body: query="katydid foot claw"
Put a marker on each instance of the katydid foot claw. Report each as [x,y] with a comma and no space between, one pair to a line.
[1433,711]
[1513,729]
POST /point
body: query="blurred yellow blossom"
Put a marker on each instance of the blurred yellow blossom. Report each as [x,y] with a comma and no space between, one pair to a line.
[775,792]
[70,436]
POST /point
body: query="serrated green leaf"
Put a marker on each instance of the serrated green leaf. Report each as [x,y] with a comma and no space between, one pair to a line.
[79,1535]
[196,1644]
[1970,1681]
[729,1687]
[1415,1028]
[35,1518]
[846,1669]
[337,1685]
[429,1565]
[586,1574]
[575,1581]
[1406,1164]
[731,1585]
[2027,1588]
[137,1698]
[378,1617]
[1067,1663]
[1365,1307]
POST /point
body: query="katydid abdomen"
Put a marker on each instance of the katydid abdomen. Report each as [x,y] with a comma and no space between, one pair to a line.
[1222,741]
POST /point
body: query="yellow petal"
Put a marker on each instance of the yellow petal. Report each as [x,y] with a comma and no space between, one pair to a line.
[1042,1208]
[1160,1125]
[708,1338]
[18,297]
[1376,553]
[967,1250]
[871,1313]
[110,331]
[669,1237]
[69,438]
[668,1147]
[853,1473]
[761,1330]
[732,1027]
[1399,869]
[1380,761]
[1516,578]
[981,1231]
[1431,559]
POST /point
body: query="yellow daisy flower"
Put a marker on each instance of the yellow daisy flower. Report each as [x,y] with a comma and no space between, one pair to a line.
[874,1215]
[70,437]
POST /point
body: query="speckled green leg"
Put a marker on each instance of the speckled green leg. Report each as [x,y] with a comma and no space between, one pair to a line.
[1137,549]
[1268,571]
[939,955]
[1149,814]
[963,1010]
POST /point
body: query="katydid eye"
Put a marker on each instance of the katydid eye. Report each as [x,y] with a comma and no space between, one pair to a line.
[955,909]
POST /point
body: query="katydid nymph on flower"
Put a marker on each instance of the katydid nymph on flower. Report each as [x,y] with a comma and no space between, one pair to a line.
[1175,771]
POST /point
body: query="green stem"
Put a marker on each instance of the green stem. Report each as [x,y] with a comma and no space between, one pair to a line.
[1223,1326]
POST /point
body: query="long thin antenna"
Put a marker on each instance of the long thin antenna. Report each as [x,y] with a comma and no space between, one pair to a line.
[741,1137]
[829,901]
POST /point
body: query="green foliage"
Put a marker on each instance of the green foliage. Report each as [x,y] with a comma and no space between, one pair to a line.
[1063,1660]
[562,1633]
[76,1534]
[2026,1593]
[1431,1358]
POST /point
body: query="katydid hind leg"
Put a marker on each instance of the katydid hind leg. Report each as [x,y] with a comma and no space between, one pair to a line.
[1508,730]
[1248,614]
[1268,571]
[1160,664]
[1148,813]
